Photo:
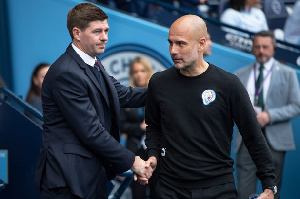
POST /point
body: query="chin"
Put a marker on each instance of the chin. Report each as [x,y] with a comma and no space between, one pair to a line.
[179,66]
[100,52]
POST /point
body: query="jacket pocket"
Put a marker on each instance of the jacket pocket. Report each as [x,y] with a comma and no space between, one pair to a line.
[77,149]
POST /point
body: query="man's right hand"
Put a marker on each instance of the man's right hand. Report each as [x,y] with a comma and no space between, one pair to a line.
[152,161]
[141,169]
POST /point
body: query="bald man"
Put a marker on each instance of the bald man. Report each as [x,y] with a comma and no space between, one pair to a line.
[190,112]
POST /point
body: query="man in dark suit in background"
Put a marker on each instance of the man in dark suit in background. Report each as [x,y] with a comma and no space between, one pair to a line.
[81,105]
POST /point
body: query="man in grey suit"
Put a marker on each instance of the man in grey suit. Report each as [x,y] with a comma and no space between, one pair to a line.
[274,92]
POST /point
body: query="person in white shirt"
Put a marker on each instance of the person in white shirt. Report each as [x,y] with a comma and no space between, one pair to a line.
[291,30]
[246,15]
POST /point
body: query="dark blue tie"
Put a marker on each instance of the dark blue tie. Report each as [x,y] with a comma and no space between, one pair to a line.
[97,72]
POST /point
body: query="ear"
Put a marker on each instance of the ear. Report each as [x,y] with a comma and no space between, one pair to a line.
[76,33]
[202,43]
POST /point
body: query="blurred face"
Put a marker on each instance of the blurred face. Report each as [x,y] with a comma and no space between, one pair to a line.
[183,48]
[207,49]
[39,78]
[263,48]
[140,75]
[93,39]
[252,2]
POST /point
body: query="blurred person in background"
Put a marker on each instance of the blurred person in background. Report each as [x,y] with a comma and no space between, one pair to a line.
[207,49]
[34,93]
[196,6]
[2,83]
[273,89]
[291,28]
[246,15]
[132,121]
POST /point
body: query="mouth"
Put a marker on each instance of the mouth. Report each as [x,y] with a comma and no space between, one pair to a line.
[176,60]
[101,45]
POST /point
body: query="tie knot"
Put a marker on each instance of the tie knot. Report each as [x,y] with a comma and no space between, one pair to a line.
[97,65]
[261,68]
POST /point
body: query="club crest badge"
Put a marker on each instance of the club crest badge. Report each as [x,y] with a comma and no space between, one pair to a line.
[208,96]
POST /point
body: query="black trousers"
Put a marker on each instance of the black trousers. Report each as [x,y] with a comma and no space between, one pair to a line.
[246,172]
[164,190]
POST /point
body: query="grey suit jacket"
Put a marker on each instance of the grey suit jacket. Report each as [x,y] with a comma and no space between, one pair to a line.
[282,104]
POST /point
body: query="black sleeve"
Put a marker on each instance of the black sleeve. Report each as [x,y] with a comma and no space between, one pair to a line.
[153,121]
[245,118]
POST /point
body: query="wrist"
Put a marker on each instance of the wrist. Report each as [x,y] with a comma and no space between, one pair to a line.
[136,159]
[272,189]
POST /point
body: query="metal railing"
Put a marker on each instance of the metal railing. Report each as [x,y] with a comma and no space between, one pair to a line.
[125,183]
[18,103]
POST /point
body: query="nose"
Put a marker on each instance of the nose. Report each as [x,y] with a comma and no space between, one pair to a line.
[172,49]
[104,36]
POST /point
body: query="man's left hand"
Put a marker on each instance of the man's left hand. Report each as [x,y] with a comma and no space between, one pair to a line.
[263,118]
[267,194]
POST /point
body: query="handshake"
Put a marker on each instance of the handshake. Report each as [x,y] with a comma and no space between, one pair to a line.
[143,169]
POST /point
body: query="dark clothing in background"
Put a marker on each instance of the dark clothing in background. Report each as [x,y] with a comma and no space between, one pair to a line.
[36,102]
[130,121]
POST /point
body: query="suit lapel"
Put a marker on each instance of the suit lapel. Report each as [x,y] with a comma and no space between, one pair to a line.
[274,77]
[88,72]
[246,75]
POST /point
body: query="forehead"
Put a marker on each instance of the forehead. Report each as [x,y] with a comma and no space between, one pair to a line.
[98,24]
[137,66]
[259,40]
[180,34]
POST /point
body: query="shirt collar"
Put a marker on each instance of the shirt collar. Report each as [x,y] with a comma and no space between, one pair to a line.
[268,64]
[85,57]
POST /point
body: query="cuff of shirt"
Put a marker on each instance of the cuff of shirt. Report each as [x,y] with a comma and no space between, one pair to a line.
[267,182]
[153,152]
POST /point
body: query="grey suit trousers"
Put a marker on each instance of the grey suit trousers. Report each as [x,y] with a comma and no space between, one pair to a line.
[246,172]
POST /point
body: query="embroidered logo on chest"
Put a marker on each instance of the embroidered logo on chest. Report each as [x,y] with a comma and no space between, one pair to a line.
[208,96]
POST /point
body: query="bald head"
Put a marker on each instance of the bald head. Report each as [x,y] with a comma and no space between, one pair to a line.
[189,25]
[187,40]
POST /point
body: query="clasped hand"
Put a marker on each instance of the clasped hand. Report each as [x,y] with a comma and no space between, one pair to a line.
[143,169]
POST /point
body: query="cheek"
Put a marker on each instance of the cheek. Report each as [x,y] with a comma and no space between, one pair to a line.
[41,80]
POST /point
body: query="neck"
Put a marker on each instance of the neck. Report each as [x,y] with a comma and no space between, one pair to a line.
[248,6]
[195,71]
[77,44]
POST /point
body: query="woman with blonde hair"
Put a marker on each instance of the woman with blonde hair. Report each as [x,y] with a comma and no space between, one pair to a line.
[140,72]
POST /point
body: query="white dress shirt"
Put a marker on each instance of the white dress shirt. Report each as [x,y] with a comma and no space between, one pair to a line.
[85,57]
[266,80]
